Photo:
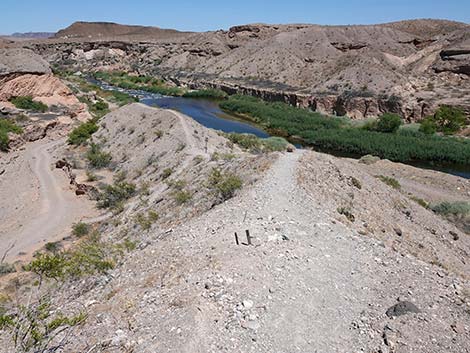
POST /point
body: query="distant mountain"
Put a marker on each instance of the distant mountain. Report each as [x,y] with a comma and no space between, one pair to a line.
[110,30]
[33,35]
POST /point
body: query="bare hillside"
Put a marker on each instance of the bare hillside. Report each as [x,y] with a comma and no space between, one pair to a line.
[408,67]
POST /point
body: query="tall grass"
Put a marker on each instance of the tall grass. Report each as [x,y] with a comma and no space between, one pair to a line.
[336,134]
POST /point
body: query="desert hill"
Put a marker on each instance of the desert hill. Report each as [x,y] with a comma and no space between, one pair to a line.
[408,67]
[111,30]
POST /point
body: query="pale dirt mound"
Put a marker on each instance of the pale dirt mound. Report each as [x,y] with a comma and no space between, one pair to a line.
[372,208]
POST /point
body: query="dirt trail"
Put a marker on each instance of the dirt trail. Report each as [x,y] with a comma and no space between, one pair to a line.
[55,211]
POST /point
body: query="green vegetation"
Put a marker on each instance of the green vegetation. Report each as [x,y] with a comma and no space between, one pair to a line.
[255,144]
[223,184]
[143,83]
[447,120]
[182,196]
[82,133]
[206,93]
[457,213]
[26,102]
[336,134]
[91,256]
[419,201]
[33,327]
[98,109]
[80,229]
[392,182]
[345,211]
[166,173]
[452,208]
[113,196]
[389,123]
[6,268]
[98,158]
[7,126]
[146,221]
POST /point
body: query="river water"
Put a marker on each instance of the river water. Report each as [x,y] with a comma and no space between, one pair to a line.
[207,113]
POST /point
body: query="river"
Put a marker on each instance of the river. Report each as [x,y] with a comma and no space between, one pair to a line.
[207,113]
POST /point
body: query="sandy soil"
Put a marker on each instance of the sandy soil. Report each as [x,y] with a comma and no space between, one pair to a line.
[37,204]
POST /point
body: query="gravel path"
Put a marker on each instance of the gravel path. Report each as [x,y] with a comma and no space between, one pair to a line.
[307,284]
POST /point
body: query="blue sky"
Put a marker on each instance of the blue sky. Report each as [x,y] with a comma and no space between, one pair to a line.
[52,15]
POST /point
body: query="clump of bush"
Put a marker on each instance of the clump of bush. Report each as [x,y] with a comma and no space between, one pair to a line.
[80,229]
[455,212]
[223,184]
[386,123]
[452,208]
[392,182]
[182,196]
[91,256]
[112,196]
[206,93]
[98,158]
[447,120]
[82,133]
[34,327]
[27,103]
[7,126]
[6,268]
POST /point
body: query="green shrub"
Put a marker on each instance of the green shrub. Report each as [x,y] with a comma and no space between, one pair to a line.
[91,256]
[182,196]
[167,172]
[392,182]
[53,246]
[113,195]
[452,208]
[388,123]
[428,126]
[98,158]
[80,229]
[82,133]
[419,201]
[447,119]
[26,102]
[345,211]
[7,126]
[223,184]
[34,327]
[6,268]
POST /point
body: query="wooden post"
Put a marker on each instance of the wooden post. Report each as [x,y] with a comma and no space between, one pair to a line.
[248,237]
[236,239]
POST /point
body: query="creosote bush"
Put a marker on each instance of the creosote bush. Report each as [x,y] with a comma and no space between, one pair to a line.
[80,229]
[33,327]
[224,184]
[112,196]
[91,256]
[98,158]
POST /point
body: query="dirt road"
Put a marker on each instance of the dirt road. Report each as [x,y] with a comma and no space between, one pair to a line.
[47,206]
